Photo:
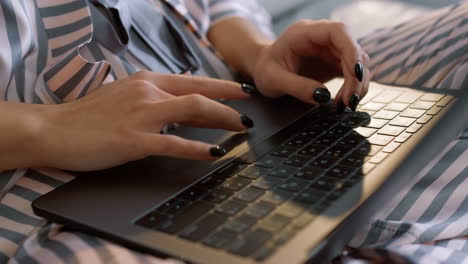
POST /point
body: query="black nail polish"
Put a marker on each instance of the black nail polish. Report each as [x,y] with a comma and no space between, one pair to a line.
[249,89]
[218,151]
[247,121]
[322,95]
[353,102]
[340,107]
[359,71]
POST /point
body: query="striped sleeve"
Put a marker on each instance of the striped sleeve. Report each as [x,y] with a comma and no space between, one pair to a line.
[16,43]
[249,9]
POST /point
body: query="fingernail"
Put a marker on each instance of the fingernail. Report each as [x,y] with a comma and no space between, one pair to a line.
[353,102]
[247,121]
[322,95]
[359,71]
[249,89]
[340,107]
[217,151]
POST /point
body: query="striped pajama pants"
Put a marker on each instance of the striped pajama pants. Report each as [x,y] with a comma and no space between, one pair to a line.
[425,223]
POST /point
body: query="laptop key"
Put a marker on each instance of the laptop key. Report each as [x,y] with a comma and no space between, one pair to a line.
[414,128]
[408,97]
[403,137]
[291,208]
[312,150]
[326,184]
[191,214]
[293,184]
[396,107]
[284,151]
[385,114]
[323,162]
[391,147]
[199,230]
[365,131]
[152,220]
[303,220]
[312,132]
[267,182]
[298,141]
[432,97]
[368,149]
[274,222]
[402,121]
[282,171]
[373,106]
[284,235]
[386,96]
[423,105]
[351,141]
[269,161]
[210,181]
[221,239]
[434,110]
[167,205]
[378,158]
[310,173]
[355,160]
[236,184]
[340,172]
[376,123]
[380,140]
[390,130]
[260,209]
[298,161]
[247,245]
[192,194]
[326,140]
[277,197]
[252,172]
[249,194]
[336,152]
[231,207]
[178,207]
[413,113]
[218,195]
[241,224]
[309,196]
[424,119]
[264,252]
[445,101]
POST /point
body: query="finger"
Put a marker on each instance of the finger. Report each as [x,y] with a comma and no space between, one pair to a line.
[184,84]
[199,111]
[304,89]
[177,147]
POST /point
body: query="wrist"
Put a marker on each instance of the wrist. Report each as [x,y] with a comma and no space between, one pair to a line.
[21,132]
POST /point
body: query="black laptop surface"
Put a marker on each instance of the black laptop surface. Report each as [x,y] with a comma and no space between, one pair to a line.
[293,189]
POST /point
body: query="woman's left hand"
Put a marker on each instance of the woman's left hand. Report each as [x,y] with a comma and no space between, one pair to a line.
[308,54]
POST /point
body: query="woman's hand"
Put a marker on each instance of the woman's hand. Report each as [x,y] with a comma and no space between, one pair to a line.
[121,121]
[308,54]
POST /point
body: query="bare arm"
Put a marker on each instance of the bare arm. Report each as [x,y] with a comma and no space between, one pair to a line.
[21,126]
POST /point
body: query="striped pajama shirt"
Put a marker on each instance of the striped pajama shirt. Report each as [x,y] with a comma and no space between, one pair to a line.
[46,40]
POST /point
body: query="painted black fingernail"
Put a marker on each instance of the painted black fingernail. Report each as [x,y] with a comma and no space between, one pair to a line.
[353,102]
[218,151]
[340,107]
[322,95]
[247,121]
[249,89]
[359,71]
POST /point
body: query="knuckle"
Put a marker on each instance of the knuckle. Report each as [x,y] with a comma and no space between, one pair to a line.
[142,87]
[339,26]
[142,75]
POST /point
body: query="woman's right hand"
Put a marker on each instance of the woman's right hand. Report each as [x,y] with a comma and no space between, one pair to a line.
[121,121]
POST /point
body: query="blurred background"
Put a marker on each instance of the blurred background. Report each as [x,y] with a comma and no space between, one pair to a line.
[362,16]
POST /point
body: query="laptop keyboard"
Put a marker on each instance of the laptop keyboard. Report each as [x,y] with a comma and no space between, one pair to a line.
[259,201]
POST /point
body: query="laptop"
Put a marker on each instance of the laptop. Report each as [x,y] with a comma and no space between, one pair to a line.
[294,189]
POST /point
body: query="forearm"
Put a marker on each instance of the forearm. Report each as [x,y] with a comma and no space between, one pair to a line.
[239,42]
[21,126]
